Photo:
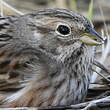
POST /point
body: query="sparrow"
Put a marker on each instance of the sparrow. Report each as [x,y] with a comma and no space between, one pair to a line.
[46,58]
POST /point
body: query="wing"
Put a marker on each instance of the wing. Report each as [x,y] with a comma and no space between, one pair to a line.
[17,66]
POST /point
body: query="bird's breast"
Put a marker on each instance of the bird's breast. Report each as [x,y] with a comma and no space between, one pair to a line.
[76,70]
[68,85]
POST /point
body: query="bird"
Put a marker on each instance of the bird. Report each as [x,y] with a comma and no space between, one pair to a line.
[46,58]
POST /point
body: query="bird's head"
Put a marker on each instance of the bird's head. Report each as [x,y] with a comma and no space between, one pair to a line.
[59,27]
[51,30]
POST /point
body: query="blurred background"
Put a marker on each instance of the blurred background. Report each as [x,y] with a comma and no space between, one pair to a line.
[81,6]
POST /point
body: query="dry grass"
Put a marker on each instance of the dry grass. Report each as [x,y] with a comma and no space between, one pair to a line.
[6,9]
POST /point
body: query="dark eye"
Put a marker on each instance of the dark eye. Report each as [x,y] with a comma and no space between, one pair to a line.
[63,29]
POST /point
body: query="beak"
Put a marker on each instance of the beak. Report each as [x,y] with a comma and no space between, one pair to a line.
[91,37]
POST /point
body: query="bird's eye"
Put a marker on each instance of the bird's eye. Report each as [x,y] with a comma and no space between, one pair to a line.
[63,29]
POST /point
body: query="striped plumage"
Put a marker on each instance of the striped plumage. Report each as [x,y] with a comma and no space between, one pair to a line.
[39,66]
